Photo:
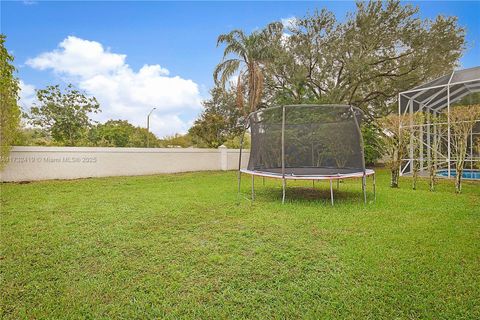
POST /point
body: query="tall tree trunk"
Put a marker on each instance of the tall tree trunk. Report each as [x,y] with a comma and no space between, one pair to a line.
[461,154]
[458,182]
[395,174]
[458,177]
[433,171]
[395,168]
[416,169]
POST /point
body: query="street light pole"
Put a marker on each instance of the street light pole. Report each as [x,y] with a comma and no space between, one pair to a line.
[148,126]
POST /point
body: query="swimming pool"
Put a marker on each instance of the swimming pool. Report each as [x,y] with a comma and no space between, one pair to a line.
[467,173]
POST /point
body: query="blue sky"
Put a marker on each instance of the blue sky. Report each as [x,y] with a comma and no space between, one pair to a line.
[179,37]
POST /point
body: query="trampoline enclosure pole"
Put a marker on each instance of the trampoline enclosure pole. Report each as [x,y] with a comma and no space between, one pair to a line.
[240,156]
[283,153]
[331,191]
[364,188]
[374,189]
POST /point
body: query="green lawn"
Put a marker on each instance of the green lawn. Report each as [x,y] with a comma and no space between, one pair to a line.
[179,246]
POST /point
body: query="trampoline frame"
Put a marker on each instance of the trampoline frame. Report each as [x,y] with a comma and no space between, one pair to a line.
[284,176]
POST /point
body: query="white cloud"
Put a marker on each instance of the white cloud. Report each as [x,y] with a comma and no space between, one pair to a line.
[284,38]
[122,92]
[289,22]
[78,57]
[26,95]
[233,81]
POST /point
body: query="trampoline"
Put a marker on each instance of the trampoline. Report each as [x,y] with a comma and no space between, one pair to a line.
[306,142]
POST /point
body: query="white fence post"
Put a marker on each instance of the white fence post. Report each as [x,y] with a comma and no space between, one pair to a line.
[223,158]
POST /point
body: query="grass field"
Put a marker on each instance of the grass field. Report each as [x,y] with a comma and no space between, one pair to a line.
[179,246]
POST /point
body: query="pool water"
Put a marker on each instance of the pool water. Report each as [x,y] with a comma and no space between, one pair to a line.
[467,173]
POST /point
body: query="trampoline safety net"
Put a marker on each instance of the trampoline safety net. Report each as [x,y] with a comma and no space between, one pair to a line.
[317,140]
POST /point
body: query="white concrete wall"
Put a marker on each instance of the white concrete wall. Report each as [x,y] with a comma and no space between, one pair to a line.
[45,163]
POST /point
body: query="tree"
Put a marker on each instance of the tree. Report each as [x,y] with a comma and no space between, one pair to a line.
[65,115]
[210,129]
[396,137]
[236,142]
[416,144]
[138,139]
[177,141]
[439,129]
[33,137]
[113,133]
[251,52]
[120,133]
[9,109]
[462,121]
[301,60]
[220,120]
[372,141]
[378,51]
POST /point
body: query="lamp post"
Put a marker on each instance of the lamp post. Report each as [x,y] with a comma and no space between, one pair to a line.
[148,126]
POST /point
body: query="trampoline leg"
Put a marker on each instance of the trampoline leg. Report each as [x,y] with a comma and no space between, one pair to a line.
[331,191]
[253,187]
[283,187]
[364,189]
[313,183]
[263,180]
[374,189]
[338,184]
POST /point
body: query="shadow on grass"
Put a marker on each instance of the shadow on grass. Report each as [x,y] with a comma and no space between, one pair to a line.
[309,194]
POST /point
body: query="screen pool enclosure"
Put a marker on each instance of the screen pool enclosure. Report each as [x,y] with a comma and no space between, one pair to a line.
[306,142]
[438,97]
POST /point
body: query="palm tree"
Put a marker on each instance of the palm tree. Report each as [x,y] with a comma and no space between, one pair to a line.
[250,54]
